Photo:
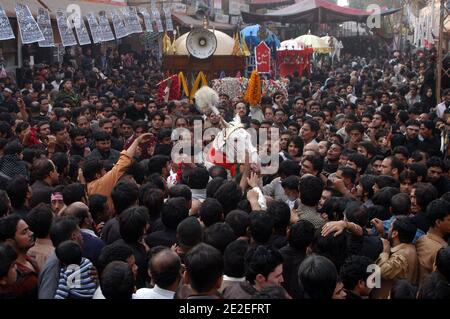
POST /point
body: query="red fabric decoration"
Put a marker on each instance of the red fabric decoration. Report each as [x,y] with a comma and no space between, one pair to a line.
[174,91]
[289,61]
[33,140]
[220,159]
[160,94]
[179,173]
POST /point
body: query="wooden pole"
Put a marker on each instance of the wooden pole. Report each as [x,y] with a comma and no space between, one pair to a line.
[441,55]
[320,21]
[19,47]
[404,3]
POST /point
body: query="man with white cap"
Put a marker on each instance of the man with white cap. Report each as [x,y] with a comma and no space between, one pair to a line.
[9,102]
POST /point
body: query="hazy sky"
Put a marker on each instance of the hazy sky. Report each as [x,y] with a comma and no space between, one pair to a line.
[342,2]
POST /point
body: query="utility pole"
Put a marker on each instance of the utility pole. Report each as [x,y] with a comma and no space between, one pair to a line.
[443,47]
[402,16]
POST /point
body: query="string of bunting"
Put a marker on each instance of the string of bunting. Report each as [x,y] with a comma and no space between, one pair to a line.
[167,45]
[125,23]
[237,50]
[172,82]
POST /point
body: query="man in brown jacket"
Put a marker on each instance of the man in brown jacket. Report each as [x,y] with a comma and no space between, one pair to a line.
[100,182]
[398,259]
[438,215]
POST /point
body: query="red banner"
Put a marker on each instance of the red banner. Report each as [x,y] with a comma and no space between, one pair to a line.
[262,58]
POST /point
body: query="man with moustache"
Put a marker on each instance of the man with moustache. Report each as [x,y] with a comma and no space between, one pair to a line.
[411,137]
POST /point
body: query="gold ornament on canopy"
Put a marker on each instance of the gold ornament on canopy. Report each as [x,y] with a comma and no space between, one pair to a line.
[237,50]
[167,45]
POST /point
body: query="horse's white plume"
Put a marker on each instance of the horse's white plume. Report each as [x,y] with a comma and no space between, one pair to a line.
[206,100]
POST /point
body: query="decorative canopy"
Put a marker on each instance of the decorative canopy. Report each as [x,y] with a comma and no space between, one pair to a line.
[313,11]
[290,45]
[319,45]
[252,36]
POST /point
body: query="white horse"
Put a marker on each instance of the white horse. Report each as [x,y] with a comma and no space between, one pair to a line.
[232,143]
[336,47]
[337,51]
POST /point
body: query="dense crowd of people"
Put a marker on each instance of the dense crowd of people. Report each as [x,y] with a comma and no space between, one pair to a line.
[93,205]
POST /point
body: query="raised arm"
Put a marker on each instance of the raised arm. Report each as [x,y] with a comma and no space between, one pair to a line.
[131,151]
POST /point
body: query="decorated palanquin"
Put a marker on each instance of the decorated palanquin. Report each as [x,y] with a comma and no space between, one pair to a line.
[289,61]
[269,87]
[236,87]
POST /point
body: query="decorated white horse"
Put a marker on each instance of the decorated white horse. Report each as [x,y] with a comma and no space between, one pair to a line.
[336,47]
[232,143]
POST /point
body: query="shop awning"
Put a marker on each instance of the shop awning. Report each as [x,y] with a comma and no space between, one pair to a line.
[313,11]
[188,21]
[267,4]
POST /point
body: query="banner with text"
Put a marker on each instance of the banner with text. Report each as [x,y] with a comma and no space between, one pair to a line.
[43,20]
[168,16]
[105,28]
[134,19]
[81,30]
[67,37]
[119,25]
[94,27]
[6,31]
[157,18]
[262,57]
[29,29]
[147,19]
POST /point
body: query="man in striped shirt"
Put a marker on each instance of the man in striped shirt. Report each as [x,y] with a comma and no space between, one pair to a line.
[75,281]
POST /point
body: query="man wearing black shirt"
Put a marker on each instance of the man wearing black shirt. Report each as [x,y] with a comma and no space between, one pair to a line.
[411,138]
[106,125]
[8,101]
[331,161]
[435,176]
[79,143]
[137,111]
[103,150]
[354,275]
[300,236]
[421,195]
[430,143]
